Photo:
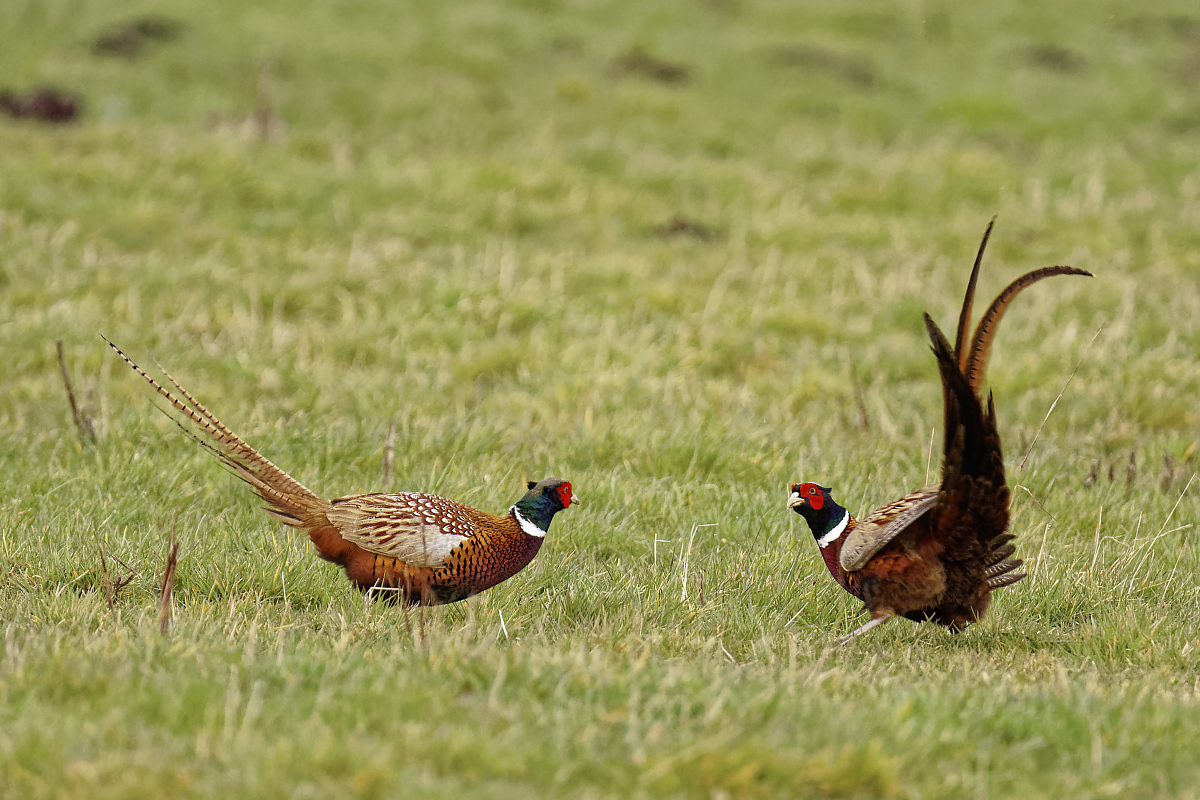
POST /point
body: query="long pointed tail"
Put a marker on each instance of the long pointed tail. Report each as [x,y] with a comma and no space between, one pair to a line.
[972,507]
[974,484]
[972,445]
[288,500]
[964,316]
[972,361]
[981,342]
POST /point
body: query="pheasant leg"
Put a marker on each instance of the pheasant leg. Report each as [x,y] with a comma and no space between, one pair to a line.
[859,631]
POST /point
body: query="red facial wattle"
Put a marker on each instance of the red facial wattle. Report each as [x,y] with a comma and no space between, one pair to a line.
[813,495]
[565,495]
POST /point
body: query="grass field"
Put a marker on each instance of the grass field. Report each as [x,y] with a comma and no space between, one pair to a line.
[676,253]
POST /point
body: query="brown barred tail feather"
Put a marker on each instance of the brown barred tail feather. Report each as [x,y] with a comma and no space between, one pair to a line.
[288,500]
[975,364]
[969,440]
[1000,567]
[1000,581]
[964,317]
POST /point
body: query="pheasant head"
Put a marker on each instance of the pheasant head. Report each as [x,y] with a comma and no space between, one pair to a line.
[544,499]
[829,523]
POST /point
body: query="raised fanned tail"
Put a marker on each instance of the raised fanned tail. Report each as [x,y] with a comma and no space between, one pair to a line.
[972,443]
[972,361]
[288,500]
[971,458]
[973,481]
[975,449]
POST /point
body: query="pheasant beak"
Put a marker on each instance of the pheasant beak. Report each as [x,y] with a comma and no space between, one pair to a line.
[795,501]
[575,499]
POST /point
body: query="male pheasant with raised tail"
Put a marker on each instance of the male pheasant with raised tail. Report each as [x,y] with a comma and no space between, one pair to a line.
[428,550]
[937,553]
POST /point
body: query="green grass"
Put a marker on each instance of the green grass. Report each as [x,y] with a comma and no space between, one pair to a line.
[456,221]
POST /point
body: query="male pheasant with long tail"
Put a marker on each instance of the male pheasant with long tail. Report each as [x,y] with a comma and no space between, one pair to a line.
[937,553]
[428,549]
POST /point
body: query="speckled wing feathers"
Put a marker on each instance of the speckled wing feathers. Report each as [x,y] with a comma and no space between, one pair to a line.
[883,525]
[419,529]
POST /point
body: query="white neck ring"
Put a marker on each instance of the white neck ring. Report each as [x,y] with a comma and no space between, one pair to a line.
[534,530]
[833,535]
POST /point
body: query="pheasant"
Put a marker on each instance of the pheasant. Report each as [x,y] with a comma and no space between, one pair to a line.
[937,553]
[426,549]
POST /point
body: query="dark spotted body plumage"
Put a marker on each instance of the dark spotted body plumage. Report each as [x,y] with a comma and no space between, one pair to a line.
[938,553]
[413,547]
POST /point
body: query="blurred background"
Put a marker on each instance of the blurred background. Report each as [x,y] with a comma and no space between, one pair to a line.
[475,195]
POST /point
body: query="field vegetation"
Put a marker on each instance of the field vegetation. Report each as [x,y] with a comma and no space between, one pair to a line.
[676,253]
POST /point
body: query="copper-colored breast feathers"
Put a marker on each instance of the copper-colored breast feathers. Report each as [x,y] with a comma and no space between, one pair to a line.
[495,550]
[908,576]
